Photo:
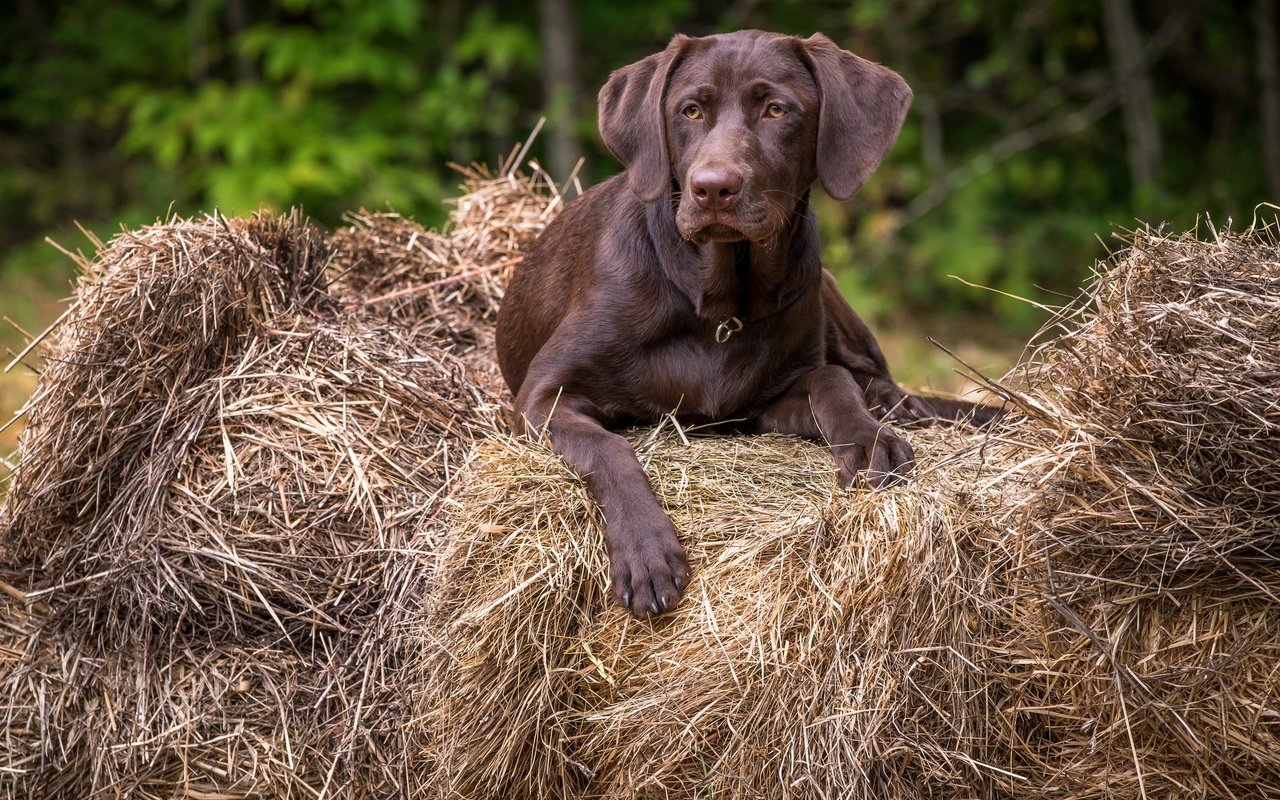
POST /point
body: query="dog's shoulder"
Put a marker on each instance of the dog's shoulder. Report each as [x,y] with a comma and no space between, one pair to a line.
[603,220]
[596,209]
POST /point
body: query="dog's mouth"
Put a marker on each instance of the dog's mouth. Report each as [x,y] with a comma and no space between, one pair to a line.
[720,229]
[717,232]
[702,226]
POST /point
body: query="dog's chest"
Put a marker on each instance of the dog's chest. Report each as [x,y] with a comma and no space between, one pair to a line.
[701,379]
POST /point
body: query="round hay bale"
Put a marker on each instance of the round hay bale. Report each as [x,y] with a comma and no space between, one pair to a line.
[224,480]
[1032,615]
[1160,393]
[212,446]
[1148,632]
[156,314]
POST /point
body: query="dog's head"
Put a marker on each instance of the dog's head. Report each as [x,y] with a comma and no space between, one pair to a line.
[743,124]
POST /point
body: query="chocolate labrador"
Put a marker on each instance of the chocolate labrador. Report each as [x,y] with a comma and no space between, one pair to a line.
[691,283]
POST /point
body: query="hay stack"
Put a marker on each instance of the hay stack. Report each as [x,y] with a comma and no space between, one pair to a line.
[792,668]
[1167,378]
[235,441]
[219,526]
[227,574]
[1080,605]
[1155,621]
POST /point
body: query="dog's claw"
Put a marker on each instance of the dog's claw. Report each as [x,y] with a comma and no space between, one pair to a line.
[647,566]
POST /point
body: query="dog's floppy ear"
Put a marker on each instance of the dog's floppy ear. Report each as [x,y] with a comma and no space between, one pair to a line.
[862,106]
[632,120]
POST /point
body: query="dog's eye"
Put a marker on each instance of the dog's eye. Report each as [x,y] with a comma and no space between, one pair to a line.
[692,111]
[773,110]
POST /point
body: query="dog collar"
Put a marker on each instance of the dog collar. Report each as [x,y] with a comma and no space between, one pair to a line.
[728,328]
[731,325]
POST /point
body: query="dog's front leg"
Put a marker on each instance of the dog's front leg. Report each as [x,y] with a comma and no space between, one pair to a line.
[851,345]
[647,564]
[827,404]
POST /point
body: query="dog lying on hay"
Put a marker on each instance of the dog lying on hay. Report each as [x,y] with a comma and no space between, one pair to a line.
[692,283]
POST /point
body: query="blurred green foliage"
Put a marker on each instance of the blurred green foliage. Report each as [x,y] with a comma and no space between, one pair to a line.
[1012,164]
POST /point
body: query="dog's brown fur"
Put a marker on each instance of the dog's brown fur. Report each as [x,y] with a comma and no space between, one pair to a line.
[692,283]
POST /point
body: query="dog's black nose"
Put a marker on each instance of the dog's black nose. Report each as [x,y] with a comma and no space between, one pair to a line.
[715,188]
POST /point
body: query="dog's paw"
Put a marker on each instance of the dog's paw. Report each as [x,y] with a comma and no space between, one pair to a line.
[648,568]
[889,402]
[877,457]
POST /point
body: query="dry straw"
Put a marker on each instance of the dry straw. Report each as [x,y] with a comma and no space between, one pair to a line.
[204,393]
[790,669]
[226,499]
[221,492]
[1168,377]
[263,541]
[446,286]
[1080,604]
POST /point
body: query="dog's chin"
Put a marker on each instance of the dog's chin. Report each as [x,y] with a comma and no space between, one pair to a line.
[715,233]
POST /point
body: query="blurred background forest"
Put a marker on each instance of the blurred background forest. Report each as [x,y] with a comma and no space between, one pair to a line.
[1038,126]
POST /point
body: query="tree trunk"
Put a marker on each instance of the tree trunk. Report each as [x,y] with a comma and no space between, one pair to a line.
[237,22]
[925,103]
[1269,88]
[560,86]
[198,42]
[1141,129]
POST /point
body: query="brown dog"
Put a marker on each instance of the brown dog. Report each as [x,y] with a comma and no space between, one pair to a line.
[691,283]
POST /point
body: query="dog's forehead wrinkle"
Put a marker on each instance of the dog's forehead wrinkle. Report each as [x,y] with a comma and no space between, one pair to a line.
[734,59]
[703,93]
[767,58]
